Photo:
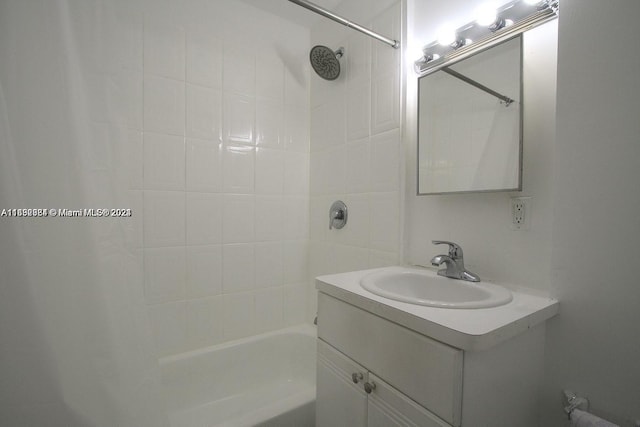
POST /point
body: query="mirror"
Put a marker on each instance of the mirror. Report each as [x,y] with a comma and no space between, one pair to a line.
[470,123]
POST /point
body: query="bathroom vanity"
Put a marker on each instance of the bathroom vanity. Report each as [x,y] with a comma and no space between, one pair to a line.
[383,362]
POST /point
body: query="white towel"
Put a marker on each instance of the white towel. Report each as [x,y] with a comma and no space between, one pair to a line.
[584,419]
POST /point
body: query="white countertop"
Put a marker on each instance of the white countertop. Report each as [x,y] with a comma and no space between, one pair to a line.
[467,329]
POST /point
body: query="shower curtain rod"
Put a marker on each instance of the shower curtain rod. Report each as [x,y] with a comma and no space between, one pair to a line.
[327,14]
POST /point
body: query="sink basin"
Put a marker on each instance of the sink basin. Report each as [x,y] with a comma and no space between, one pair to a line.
[425,287]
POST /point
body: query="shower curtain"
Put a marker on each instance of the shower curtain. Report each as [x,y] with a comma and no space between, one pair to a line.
[75,346]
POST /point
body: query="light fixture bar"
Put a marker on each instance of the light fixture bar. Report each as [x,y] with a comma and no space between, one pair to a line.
[512,19]
[339,19]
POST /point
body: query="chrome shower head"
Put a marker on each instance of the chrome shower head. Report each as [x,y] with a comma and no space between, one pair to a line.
[325,61]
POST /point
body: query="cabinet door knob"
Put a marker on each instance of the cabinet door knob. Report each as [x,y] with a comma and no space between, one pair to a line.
[369,387]
[356,376]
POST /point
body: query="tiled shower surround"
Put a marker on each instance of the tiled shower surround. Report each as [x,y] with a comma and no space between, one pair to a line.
[355,146]
[237,151]
[221,160]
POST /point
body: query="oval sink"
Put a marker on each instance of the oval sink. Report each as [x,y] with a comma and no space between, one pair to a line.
[425,287]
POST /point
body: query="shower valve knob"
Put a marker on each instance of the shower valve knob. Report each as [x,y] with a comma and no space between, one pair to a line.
[337,215]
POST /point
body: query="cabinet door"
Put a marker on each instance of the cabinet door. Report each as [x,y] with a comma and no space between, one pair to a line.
[428,371]
[340,402]
[387,407]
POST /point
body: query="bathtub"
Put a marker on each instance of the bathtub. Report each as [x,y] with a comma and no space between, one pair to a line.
[264,380]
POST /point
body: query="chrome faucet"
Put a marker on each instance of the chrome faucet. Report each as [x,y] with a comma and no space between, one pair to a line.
[454,263]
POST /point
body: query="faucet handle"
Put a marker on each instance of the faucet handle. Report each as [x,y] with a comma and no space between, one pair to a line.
[455,251]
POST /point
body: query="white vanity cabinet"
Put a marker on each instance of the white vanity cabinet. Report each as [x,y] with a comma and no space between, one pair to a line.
[419,381]
[339,400]
[350,396]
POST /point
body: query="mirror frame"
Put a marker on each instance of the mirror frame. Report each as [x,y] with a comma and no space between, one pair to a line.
[470,53]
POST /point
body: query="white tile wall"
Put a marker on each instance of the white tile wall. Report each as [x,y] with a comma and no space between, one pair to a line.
[358,110]
[239,266]
[135,159]
[296,84]
[295,304]
[239,117]
[358,169]
[269,123]
[239,315]
[170,326]
[164,105]
[359,209]
[204,271]
[296,172]
[165,273]
[296,128]
[203,165]
[359,58]
[204,60]
[385,161]
[239,69]
[384,233]
[269,309]
[269,264]
[204,113]
[227,177]
[204,218]
[135,224]
[164,218]
[164,162]
[130,83]
[269,171]
[164,49]
[238,215]
[269,220]
[239,168]
[204,321]
[218,167]
[295,261]
[269,75]
[297,217]
[385,110]
[356,159]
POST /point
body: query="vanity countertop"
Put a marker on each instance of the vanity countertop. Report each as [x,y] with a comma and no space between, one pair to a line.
[467,329]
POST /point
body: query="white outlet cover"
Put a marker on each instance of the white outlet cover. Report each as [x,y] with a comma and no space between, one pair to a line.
[520,213]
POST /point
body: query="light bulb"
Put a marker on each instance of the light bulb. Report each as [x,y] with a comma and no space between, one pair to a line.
[486,14]
[446,35]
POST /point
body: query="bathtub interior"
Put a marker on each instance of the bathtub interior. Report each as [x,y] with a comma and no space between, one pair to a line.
[244,382]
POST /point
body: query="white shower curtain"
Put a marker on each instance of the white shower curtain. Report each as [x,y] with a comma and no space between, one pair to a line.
[75,346]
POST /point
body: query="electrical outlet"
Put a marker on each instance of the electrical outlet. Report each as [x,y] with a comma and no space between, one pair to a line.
[520,213]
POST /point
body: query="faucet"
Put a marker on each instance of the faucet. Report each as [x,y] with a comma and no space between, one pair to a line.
[454,263]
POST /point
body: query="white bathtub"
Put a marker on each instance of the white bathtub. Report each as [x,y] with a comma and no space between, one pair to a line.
[264,380]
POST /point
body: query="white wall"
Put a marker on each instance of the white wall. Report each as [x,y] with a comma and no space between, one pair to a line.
[593,345]
[356,145]
[481,223]
[582,245]
[223,149]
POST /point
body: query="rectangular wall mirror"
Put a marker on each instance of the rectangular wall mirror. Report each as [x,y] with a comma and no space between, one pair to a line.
[470,123]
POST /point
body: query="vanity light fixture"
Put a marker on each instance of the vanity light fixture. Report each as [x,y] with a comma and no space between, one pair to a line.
[491,27]
[486,14]
[446,35]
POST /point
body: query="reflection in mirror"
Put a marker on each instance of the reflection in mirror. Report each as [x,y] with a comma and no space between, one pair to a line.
[470,123]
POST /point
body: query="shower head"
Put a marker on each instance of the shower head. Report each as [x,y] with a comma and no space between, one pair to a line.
[325,61]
